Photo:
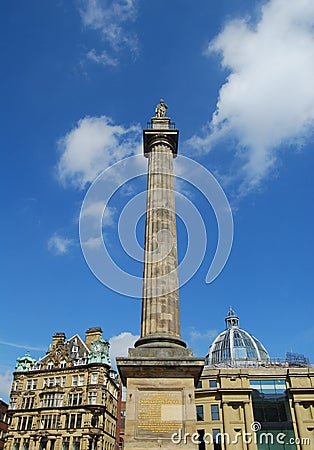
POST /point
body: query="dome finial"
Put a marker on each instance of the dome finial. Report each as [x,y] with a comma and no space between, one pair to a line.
[232,320]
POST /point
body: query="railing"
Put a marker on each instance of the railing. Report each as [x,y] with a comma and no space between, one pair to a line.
[172,125]
[272,362]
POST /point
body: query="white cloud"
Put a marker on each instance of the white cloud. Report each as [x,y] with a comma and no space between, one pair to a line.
[59,244]
[96,210]
[268,98]
[120,344]
[109,17]
[5,384]
[102,58]
[92,146]
[208,335]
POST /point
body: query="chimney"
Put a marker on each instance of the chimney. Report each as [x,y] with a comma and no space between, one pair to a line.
[92,335]
[58,339]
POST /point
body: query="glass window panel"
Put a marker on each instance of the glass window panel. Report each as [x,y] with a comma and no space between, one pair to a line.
[199,412]
[214,412]
[217,439]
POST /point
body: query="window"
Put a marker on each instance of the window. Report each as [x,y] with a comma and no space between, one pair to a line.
[75,399]
[214,412]
[76,444]
[95,421]
[52,400]
[199,412]
[74,380]
[199,385]
[63,364]
[47,400]
[271,406]
[65,443]
[34,384]
[29,423]
[43,443]
[50,365]
[201,443]
[92,398]
[28,385]
[58,399]
[58,381]
[63,380]
[79,420]
[45,382]
[25,423]
[217,439]
[25,444]
[212,383]
[49,421]
[16,386]
[51,382]
[13,403]
[73,421]
[16,444]
[81,380]
[27,402]
[94,378]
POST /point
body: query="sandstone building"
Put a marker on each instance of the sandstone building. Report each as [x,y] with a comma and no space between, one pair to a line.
[245,400]
[66,400]
[4,421]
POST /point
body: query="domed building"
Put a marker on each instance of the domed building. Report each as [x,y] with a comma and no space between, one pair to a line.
[235,347]
[241,386]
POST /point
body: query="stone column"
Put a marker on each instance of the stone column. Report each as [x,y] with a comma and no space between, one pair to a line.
[160,373]
[160,305]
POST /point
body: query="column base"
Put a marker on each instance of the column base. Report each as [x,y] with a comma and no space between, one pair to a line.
[160,340]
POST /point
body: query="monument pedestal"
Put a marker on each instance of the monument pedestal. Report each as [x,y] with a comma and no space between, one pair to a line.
[160,405]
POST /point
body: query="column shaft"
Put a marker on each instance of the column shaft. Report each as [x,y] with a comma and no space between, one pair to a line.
[160,284]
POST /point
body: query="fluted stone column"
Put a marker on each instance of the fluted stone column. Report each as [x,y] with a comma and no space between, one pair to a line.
[160,324]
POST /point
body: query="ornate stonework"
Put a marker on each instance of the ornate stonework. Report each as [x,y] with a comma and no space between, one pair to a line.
[67,400]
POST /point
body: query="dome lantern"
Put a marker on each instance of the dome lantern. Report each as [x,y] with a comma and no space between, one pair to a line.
[231,319]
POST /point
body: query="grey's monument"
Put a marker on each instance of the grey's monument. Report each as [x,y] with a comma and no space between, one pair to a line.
[160,373]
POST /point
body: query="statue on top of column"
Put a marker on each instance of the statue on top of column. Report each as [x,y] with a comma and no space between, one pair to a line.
[161,109]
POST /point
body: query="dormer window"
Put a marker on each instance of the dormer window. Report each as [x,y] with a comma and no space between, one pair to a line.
[63,364]
[50,365]
[75,349]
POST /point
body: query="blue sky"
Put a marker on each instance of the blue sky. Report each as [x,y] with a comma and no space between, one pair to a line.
[79,81]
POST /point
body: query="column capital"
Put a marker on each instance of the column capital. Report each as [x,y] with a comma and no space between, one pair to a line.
[160,131]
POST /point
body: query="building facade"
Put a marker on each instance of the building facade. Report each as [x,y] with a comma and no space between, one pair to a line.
[4,422]
[246,401]
[256,408]
[67,400]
